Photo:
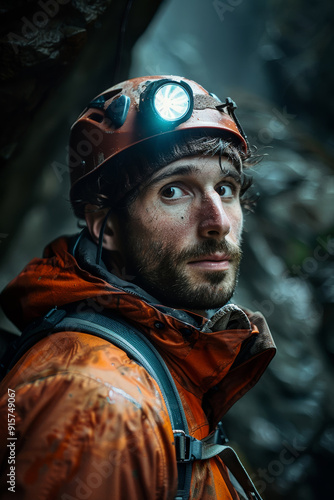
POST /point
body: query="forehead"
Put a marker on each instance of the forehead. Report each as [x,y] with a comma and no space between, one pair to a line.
[206,167]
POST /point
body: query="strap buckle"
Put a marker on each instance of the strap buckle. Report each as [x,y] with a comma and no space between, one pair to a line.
[187,447]
[220,436]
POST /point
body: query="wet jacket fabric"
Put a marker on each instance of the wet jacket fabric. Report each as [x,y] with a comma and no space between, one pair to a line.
[89,422]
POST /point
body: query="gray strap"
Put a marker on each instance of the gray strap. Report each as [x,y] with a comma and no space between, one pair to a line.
[231,460]
[189,449]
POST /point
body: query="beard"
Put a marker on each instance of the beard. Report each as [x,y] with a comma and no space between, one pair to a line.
[164,273]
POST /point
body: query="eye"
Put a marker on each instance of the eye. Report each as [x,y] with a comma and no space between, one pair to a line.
[225,191]
[172,192]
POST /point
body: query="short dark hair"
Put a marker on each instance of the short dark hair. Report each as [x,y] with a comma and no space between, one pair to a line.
[116,184]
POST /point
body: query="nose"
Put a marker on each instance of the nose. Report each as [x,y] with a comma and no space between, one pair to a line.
[213,219]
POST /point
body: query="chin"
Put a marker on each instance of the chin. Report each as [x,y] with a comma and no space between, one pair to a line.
[199,298]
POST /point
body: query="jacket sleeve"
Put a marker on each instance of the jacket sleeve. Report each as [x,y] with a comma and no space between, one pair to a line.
[80,438]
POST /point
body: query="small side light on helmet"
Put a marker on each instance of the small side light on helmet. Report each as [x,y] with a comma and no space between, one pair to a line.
[166,103]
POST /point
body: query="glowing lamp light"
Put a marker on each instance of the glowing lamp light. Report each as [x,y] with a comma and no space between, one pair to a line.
[172,102]
[165,104]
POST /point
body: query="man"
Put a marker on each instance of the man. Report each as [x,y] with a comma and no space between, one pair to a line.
[157,172]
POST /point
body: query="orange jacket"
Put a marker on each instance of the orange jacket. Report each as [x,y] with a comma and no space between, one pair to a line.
[92,424]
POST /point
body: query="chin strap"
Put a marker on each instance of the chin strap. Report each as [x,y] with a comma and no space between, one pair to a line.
[99,247]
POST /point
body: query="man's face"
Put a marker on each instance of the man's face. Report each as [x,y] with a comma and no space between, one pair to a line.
[182,239]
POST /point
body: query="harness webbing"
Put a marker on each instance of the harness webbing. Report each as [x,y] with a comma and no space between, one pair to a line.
[140,349]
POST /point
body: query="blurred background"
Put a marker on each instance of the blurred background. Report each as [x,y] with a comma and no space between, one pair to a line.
[274,58]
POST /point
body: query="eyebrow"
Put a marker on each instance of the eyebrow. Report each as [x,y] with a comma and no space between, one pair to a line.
[184,170]
[232,173]
[188,170]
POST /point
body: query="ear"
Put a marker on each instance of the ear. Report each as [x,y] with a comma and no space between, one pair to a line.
[94,220]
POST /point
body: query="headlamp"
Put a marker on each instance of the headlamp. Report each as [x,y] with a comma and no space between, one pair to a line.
[166,103]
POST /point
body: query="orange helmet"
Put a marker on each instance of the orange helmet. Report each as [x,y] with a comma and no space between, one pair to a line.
[140,109]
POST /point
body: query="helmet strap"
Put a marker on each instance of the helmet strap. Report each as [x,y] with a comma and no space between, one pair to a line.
[99,247]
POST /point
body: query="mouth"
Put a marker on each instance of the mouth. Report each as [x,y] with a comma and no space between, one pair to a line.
[215,262]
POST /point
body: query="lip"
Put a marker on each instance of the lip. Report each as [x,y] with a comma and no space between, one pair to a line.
[215,262]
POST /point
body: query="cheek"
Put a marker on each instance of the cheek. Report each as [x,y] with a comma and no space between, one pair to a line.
[236,219]
[170,228]
[239,223]
[163,225]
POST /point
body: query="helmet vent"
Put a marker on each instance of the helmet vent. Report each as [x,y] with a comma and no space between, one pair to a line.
[111,93]
[96,117]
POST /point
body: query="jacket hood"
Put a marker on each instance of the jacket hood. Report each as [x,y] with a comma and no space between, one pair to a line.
[56,279]
[230,350]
